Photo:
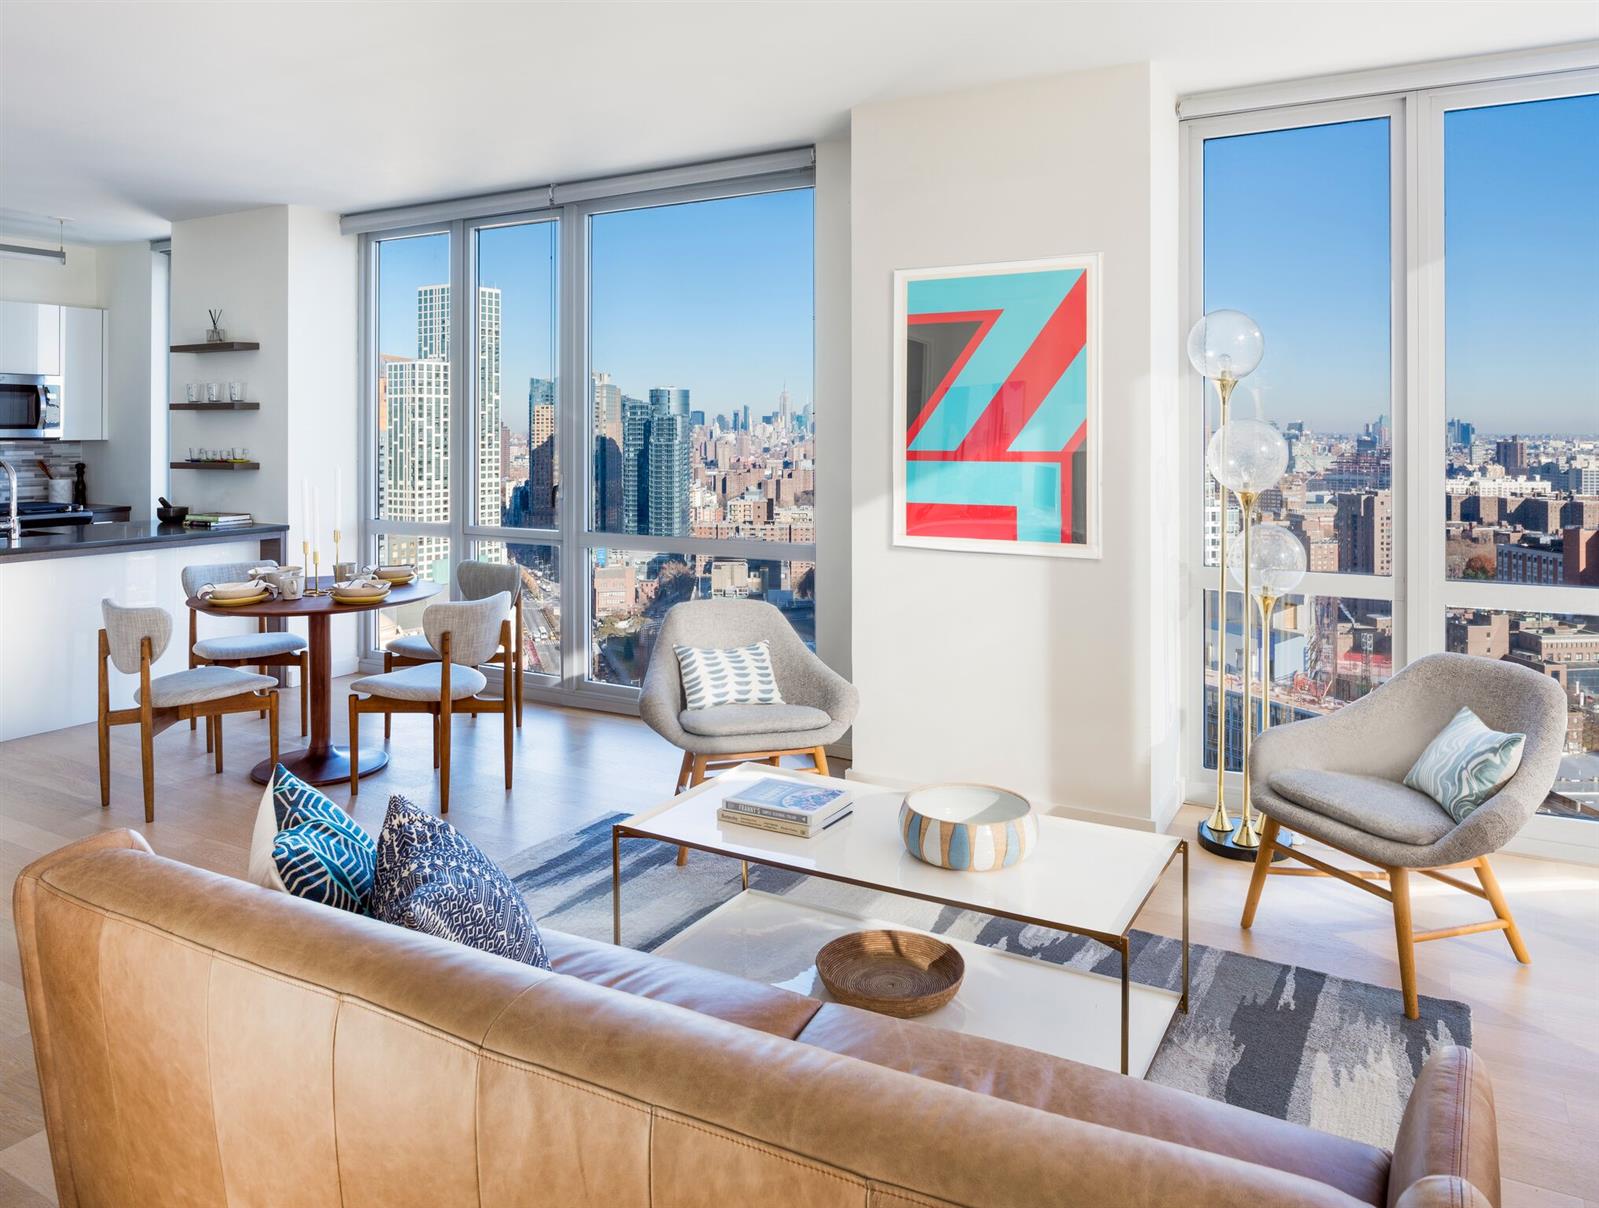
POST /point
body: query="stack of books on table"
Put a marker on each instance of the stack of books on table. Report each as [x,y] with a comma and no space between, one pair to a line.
[786,807]
[218,520]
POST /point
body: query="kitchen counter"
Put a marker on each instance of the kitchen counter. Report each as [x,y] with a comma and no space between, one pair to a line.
[84,539]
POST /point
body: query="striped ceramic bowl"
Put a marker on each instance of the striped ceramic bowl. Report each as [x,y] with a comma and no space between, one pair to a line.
[971,827]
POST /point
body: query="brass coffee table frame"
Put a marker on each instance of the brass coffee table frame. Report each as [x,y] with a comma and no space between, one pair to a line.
[1119,943]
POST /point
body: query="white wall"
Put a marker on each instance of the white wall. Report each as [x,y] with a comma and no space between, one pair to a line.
[27,280]
[285,278]
[832,392]
[1055,677]
[122,468]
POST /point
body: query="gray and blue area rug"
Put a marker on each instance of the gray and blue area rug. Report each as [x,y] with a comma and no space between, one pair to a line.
[1324,1051]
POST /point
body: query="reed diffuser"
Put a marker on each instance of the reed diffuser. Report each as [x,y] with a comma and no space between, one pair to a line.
[215,335]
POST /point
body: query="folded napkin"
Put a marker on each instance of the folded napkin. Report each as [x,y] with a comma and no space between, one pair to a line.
[254,586]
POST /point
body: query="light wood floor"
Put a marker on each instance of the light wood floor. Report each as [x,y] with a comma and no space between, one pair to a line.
[1537,1028]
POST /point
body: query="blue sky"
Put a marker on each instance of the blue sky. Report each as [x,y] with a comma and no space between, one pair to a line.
[714,296]
[1297,235]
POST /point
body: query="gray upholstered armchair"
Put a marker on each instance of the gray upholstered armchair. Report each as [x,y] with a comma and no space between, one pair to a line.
[818,703]
[1339,780]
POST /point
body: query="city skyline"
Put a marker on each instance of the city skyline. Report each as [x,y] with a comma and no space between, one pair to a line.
[1522,250]
[715,296]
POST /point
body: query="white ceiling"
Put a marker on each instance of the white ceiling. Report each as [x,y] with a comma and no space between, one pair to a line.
[124,117]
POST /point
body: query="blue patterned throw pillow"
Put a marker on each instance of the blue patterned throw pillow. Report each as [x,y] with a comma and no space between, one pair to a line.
[1466,764]
[432,878]
[741,675]
[320,852]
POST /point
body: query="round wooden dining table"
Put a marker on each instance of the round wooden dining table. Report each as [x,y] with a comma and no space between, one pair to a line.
[321,762]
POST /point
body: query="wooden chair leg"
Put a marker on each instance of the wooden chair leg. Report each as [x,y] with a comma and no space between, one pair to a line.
[147,766]
[305,693]
[433,725]
[774,761]
[272,730]
[1399,884]
[521,687]
[1257,880]
[1496,899]
[210,733]
[820,757]
[682,774]
[696,776]
[444,762]
[510,737]
[105,758]
[217,721]
[355,748]
[261,669]
[388,718]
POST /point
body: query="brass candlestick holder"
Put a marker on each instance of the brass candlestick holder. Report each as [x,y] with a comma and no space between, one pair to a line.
[311,588]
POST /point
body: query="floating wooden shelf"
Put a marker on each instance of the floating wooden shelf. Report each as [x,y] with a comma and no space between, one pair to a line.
[216,465]
[219,346]
[214,406]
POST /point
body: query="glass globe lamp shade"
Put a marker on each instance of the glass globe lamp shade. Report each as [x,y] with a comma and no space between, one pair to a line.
[1247,455]
[1276,561]
[1225,344]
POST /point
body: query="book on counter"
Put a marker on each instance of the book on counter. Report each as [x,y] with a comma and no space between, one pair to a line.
[218,520]
[787,806]
[800,830]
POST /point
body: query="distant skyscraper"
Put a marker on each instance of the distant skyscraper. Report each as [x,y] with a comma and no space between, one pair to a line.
[607,397]
[1512,455]
[543,465]
[1363,524]
[416,400]
[635,464]
[667,475]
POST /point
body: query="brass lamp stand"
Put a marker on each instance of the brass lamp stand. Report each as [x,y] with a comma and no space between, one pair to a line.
[1248,833]
[1219,823]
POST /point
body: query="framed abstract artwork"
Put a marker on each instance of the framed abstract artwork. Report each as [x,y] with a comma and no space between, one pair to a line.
[996,407]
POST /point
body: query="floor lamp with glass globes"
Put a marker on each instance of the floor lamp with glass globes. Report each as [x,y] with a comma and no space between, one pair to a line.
[1248,457]
[1224,346]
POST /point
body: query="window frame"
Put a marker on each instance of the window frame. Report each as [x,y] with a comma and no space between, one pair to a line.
[1419,591]
[574,536]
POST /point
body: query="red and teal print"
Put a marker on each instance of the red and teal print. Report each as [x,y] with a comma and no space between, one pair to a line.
[996,399]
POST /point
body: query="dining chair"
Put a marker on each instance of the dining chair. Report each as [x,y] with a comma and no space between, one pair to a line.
[473,581]
[463,635]
[132,640]
[262,649]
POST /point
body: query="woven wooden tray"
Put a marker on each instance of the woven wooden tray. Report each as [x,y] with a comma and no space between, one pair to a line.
[898,973]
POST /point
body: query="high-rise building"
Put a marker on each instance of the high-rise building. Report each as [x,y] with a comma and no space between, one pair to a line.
[667,473]
[1511,453]
[635,464]
[607,398]
[415,397]
[543,466]
[1363,524]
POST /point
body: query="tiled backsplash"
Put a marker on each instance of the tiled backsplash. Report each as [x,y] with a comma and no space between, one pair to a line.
[24,456]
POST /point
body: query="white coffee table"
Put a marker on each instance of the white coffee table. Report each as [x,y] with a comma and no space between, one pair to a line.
[1083,878]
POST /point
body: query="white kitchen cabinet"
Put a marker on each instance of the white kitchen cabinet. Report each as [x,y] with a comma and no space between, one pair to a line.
[30,338]
[83,374]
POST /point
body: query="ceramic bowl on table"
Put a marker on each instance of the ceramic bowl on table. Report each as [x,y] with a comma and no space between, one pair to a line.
[968,827]
[394,574]
[359,591]
[898,973]
[236,595]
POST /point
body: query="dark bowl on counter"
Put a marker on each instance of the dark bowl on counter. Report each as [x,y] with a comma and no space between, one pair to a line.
[172,515]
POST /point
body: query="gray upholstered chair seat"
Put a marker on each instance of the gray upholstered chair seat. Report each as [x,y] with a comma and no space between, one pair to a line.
[202,683]
[721,720]
[1374,805]
[412,646]
[422,683]
[250,645]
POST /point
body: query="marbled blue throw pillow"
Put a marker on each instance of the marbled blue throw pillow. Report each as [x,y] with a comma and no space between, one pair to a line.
[1466,764]
[320,852]
[433,879]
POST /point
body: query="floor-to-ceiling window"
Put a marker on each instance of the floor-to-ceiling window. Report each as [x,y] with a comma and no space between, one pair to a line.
[1425,269]
[612,393]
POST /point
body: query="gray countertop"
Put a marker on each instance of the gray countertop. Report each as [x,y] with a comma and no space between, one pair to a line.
[86,539]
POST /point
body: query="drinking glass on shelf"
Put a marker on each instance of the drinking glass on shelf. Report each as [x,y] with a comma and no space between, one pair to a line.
[192,392]
[241,453]
[235,392]
[213,392]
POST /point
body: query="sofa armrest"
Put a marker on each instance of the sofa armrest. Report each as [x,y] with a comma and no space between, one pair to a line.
[1449,1138]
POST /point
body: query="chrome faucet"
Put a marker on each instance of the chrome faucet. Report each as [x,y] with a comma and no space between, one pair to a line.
[14,526]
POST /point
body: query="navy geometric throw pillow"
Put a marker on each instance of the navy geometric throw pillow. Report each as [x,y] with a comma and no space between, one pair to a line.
[320,852]
[433,879]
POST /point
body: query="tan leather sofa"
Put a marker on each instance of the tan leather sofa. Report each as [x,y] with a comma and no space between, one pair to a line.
[202,1041]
